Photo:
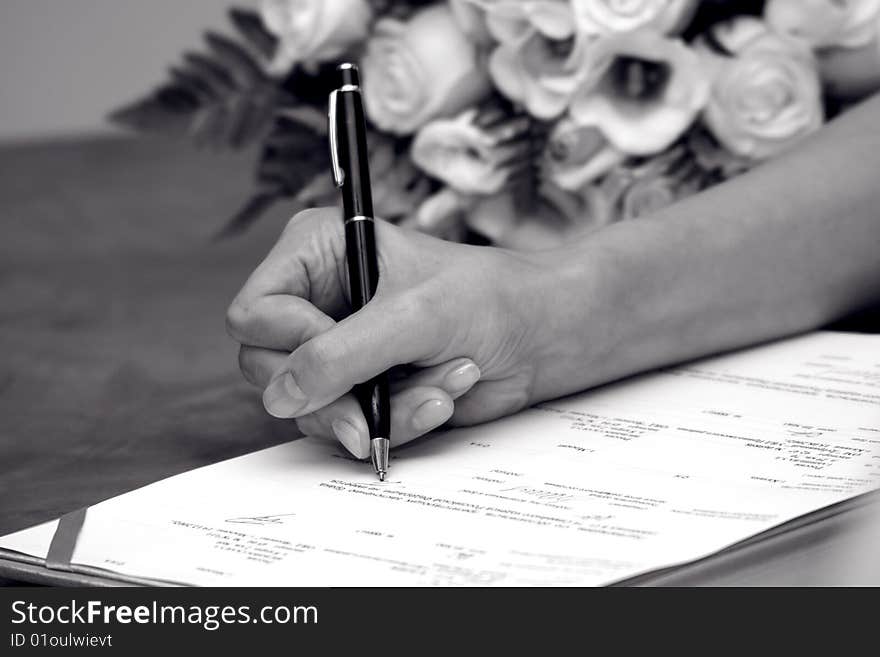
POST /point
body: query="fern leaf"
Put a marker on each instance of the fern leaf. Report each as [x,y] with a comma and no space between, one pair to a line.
[220,99]
[250,26]
[239,62]
[193,84]
[292,156]
[152,116]
[209,72]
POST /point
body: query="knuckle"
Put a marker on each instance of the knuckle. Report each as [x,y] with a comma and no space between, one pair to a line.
[238,318]
[297,220]
[307,217]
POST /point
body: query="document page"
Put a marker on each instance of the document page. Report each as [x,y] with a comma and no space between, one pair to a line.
[647,473]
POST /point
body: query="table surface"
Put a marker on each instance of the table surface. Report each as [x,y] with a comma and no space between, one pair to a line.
[115,369]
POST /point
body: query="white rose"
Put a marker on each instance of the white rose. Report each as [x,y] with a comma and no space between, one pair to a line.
[465,156]
[540,75]
[846,36]
[314,30]
[540,64]
[646,90]
[576,155]
[421,69]
[471,18]
[510,20]
[825,23]
[598,17]
[766,94]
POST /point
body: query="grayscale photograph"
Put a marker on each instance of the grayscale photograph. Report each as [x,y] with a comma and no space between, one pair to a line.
[367,295]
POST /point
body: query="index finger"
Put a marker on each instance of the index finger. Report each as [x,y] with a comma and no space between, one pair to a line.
[293,294]
[305,262]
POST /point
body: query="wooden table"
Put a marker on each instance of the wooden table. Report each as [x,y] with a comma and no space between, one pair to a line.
[115,369]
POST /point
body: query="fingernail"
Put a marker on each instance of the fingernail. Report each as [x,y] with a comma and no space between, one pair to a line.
[283,398]
[350,437]
[461,380]
[431,415]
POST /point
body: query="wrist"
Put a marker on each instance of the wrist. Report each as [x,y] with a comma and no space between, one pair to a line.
[568,317]
[612,306]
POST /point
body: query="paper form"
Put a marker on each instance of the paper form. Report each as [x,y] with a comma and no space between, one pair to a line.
[651,472]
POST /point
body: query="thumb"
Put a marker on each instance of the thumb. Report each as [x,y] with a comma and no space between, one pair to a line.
[385,333]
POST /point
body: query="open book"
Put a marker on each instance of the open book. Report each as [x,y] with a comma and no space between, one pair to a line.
[634,477]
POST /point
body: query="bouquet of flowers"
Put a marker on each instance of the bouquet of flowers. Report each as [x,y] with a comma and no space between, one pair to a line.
[521,122]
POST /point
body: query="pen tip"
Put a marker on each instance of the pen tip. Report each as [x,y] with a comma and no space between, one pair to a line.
[381,476]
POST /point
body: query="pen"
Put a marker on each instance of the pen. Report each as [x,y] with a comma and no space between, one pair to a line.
[348,158]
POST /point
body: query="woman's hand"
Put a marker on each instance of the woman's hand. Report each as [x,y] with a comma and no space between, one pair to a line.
[481,325]
[759,257]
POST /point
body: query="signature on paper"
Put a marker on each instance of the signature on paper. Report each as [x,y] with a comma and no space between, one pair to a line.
[261,521]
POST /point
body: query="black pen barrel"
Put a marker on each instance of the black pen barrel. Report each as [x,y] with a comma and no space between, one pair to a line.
[363,277]
[357,196]
[360,238]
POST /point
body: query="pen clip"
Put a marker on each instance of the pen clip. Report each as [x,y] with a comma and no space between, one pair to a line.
[332,133]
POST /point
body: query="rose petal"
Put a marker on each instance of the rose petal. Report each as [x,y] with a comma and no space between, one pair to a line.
[554,20]
[644,127]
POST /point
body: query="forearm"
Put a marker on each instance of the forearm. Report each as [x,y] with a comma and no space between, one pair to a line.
[786,248]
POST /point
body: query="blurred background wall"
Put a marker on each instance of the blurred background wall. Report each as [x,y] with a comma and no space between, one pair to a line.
[65,63]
